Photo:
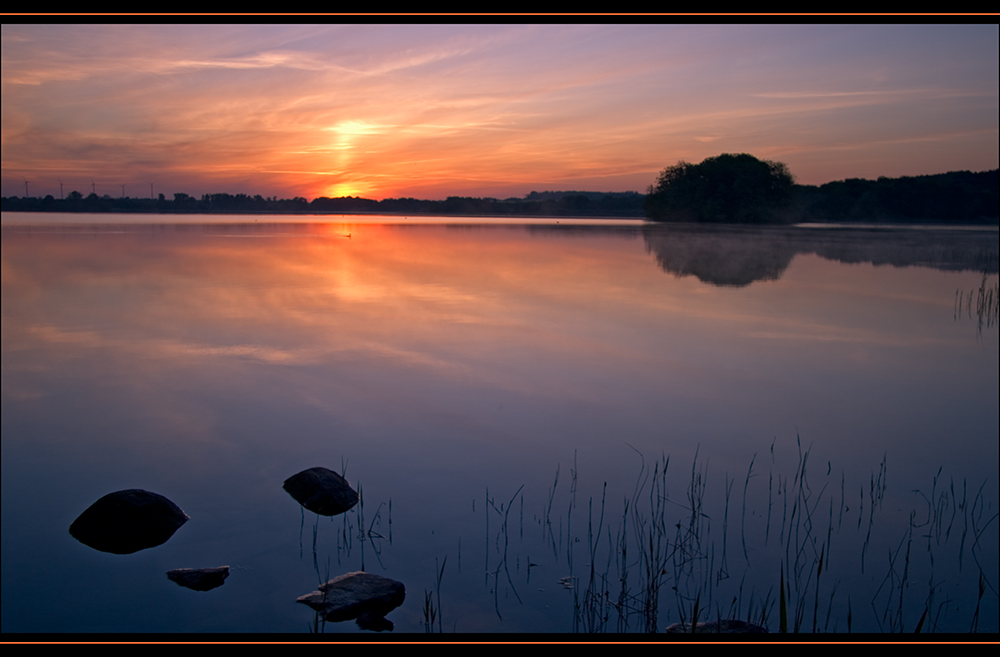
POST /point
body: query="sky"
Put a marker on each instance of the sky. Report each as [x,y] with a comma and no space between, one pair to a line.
[430,111]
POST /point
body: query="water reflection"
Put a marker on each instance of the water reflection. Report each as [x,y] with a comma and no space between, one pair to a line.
[210,362]
[738,256]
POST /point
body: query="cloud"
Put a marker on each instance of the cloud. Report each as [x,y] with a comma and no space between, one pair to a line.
[282,109]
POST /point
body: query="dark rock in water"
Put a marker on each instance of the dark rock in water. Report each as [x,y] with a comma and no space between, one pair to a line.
[717,627]
[200,579]
[128,521]
[359,595]
[321,491]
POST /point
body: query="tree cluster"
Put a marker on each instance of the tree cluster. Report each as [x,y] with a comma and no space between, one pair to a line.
[740,189]
[723,189]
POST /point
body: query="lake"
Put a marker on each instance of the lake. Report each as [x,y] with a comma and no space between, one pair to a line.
[555,426]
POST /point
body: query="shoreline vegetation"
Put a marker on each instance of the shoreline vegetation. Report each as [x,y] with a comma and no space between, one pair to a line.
[820,557]
[728,188]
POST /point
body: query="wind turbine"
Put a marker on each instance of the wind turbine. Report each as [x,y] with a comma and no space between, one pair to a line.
[61,197]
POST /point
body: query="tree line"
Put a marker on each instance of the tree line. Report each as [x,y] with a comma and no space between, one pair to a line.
[740,189]
[729,188]
[953,197]
[556,204]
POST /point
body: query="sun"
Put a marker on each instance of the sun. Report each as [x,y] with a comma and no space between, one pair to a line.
[342,189]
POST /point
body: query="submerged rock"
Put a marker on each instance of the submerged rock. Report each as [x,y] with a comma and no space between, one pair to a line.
[717,627]
[363,596]
[128,521]
[199,579]
[321,491]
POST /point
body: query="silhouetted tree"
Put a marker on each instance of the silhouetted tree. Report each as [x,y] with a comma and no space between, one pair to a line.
[724,189]
[954,197]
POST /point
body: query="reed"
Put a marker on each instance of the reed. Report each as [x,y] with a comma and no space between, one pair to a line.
[432,612]
[982,303]
[660,548]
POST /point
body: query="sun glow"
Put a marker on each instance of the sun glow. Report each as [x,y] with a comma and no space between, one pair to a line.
[342,189]
[432,111]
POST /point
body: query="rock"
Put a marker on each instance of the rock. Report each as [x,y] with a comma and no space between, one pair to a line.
[128,521]
[321,491]
[199,579]
[359,595]
[717,627]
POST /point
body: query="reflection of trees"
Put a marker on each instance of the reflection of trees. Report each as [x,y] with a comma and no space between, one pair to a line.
[738,256]
[722,256]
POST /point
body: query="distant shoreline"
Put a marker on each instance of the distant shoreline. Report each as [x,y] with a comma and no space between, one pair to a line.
[851,223]
[250,219]
[956,197]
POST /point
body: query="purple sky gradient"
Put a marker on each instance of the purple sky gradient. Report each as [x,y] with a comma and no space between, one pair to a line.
[483,110]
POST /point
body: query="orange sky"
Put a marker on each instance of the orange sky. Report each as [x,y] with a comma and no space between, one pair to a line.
[484,110]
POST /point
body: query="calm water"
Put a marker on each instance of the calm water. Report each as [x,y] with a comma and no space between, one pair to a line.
[489,387]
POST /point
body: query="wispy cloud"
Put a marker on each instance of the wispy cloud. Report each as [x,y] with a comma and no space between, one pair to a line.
[388,110]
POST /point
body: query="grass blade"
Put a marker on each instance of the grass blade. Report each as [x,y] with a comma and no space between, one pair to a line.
[783,607]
